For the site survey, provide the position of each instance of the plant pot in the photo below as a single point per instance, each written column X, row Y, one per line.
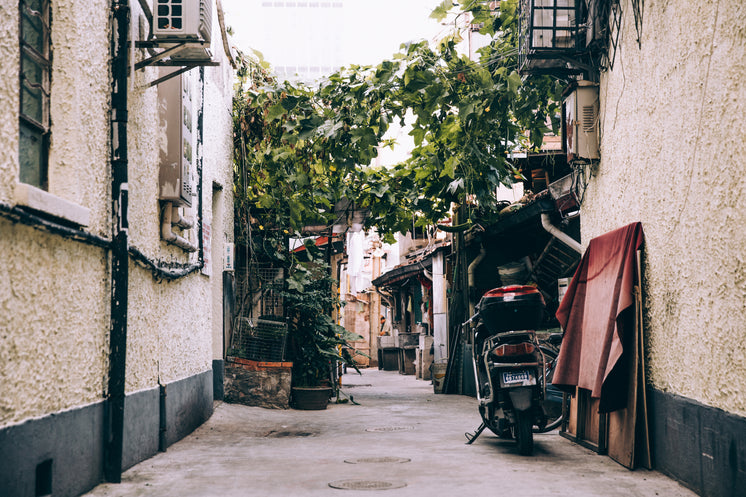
column 311, row 398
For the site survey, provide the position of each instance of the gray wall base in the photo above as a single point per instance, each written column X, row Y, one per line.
column 188, row 405
column 73, row 440
column 702, row 447
column 218, row 379
column 141, row 417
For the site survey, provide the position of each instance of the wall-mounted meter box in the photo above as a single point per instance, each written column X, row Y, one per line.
column 177, row 147
column 229, row 263
column 580, row 124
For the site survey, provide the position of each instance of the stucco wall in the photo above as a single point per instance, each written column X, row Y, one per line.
column 54, row 304
column 55, row 294
column 672, row 148
column 172, row 324
column 8, row 98
column 219, row 160
column 54, row 350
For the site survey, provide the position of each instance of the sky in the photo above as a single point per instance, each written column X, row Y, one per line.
column 316, row 37
column 320, row 35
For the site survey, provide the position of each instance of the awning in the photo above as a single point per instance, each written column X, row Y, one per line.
column 403, row 272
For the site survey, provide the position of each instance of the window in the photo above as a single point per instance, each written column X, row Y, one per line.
column 34, row 92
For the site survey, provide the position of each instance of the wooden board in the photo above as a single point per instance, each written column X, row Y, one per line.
column 622, row 423
column 586, row 426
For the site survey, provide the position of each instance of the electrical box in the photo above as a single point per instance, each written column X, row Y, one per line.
column 177, row 150
column 229, row 259
column 580, row 124
column 182, row 19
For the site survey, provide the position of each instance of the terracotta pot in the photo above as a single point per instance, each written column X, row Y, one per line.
column 311, row 398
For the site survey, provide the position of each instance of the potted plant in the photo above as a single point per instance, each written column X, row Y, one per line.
column 316, row 344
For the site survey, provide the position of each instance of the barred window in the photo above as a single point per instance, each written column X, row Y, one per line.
column 34, row 91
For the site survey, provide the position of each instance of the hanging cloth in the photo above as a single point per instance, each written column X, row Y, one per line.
column 597, row 314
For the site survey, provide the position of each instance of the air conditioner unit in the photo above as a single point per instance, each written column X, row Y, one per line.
column 183, row 20
column 580, row 123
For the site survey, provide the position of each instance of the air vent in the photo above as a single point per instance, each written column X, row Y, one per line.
column 588, row 118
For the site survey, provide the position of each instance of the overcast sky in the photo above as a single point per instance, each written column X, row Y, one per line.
column 329, row 32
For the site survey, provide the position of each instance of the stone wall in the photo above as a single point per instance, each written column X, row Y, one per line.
column 262, row 384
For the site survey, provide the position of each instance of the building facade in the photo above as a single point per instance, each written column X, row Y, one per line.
column 111, row 304
column 671, row 140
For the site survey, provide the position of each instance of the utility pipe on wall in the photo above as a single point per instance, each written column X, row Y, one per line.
column 114, row 422
column 178, row 220
column 168, row 235
column 559, row 234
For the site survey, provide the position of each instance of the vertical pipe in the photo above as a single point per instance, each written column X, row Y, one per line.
column 162, row 420
column 119, row 259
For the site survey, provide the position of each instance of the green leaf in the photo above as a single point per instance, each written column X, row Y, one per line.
column 418, row 134
column 295, row 285
column 275, row 111
column 289, row 102
column 514, row 82
column 449, row 168
column 440, row 12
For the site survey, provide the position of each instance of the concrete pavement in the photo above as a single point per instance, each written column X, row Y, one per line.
column 401, row 435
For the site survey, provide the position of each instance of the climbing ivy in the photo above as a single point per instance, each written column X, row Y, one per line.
column 300, row 150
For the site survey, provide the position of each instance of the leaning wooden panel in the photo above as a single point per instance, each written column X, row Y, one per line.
column 622, row 423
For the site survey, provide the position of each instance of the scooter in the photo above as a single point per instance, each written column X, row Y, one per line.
column 509, row 364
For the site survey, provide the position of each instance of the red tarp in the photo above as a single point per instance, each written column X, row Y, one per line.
column 592, row 313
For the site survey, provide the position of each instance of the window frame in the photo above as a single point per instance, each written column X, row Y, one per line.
column 43, row 62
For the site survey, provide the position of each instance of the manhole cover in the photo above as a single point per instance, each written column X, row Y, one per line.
column 363, row 460
column 390, row 428
column 358, row 385
column 366, row 484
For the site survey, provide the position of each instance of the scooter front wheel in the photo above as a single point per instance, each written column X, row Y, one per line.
column 524, row 434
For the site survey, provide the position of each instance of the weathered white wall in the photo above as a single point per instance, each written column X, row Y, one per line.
column 219, row 180
column 673, row 152
column 55, row 293
column 172, row 324
column 54, row 350
column 54, row 296
column 9, row 101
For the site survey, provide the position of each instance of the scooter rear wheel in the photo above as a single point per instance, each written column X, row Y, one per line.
column 524, row 434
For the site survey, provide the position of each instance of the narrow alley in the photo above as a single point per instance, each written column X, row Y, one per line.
column 401, row 438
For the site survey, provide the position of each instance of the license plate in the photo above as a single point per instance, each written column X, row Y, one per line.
column 517, row 377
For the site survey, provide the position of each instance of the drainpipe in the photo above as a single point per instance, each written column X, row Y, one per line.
column 178, row 220
column 472, row 268
column 167, row 234
column 114, row 422
column 559, row 234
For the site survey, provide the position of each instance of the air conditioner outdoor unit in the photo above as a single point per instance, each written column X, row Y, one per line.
column 580, row 123
column 182, row 20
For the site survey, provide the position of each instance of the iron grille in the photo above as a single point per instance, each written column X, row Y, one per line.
column 549, row 35
column 261, row 339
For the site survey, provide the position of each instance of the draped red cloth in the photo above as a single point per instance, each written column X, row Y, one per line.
column 597, row 314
